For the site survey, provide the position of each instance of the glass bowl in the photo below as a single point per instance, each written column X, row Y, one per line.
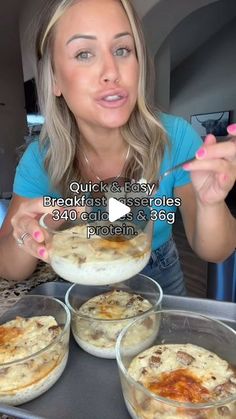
column 33, row 351
column 98, row 252
column 99, row 313
column 179, row 374
column 98, row 259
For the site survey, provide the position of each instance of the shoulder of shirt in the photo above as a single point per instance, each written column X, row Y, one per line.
column 179, row 130
column 36, row 148
column 172, row 123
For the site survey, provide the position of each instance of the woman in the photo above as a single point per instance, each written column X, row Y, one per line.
column 92, row 76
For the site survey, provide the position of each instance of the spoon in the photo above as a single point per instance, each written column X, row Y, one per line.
column 167, row 172
column 172, row 169
column 177, row 166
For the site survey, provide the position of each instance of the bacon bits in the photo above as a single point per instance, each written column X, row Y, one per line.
column 184, row 358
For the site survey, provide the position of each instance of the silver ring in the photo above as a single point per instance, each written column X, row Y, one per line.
column 20, row 240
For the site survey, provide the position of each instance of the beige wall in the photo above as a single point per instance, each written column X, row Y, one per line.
column 162, row 70
column 164, row 16
column 206, row 82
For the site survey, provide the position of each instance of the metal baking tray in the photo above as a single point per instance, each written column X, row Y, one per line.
column 89, row 388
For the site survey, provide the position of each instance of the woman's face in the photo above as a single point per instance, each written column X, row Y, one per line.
column 96, row 68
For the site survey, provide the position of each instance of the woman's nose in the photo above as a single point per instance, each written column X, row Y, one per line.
column 110, row 73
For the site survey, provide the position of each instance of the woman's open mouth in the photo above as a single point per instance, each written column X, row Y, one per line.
column 114, row 100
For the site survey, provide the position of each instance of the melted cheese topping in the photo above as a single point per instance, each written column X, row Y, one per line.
column 167, row 367
column 20, row 338
column 184, row 373
column 117, row 306
column 73, row 245
column 180, row 385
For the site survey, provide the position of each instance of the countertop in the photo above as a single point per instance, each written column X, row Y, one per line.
column 11, row 291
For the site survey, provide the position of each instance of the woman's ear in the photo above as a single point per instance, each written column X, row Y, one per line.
column 56, row 89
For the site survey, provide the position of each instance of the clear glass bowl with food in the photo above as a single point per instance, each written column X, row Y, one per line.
column 92, row 246
column 99, row 313
column 187, row 371
column 34, row 344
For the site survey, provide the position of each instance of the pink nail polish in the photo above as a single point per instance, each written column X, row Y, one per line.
column 37, row 235
column 42, row 252
column 201, row 153
column 186, row 166
column 232, row 129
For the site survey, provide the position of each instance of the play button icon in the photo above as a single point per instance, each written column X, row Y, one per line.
column 116, row 209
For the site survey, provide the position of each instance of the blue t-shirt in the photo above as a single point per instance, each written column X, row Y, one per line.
column 32, row 181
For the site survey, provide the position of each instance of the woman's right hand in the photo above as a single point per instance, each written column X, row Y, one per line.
column 29, row 235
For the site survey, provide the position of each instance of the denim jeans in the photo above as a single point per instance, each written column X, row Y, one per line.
column 164, row 267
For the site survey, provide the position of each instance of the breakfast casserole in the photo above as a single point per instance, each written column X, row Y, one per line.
column 182, row 373
column 24, row 365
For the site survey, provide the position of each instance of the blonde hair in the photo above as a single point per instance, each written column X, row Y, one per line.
column 60, row 134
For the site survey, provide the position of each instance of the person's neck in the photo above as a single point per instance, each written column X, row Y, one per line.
column 103, row 143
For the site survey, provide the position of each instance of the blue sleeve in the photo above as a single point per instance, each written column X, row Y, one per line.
column 31, row 179
column 190, row 143
column 185, row 143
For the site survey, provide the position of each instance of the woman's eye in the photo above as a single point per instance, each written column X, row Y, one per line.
column 122, row 52
column 83, row 55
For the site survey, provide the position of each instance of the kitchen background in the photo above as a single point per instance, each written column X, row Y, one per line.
column 193, row 42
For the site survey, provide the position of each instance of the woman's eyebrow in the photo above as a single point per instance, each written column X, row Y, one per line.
column 81, row 36
column 119, row 35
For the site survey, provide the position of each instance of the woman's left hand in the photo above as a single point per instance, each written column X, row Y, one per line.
column 214, row 170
